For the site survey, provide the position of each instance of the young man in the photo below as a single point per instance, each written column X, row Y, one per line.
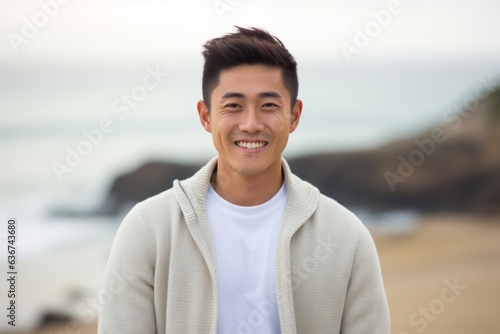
column 244, row 246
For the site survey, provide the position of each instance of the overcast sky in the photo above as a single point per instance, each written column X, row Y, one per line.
column 127, row 31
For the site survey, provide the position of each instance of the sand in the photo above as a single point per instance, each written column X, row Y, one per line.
column 461, row 252
column 447, row 250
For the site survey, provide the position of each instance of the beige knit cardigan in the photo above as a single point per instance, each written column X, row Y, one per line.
column 160, row 276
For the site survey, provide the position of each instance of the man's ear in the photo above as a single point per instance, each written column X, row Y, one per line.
column 204, row 115
column 296, row 112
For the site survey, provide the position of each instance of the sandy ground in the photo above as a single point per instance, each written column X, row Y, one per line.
column 444, row 278
column 457, row 251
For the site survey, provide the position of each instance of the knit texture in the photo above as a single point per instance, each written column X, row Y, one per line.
column 160, row 276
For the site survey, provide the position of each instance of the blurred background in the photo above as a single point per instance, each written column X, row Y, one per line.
column 401, row 123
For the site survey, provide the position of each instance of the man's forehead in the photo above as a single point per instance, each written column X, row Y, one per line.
column 251, row 72
column 251, row 80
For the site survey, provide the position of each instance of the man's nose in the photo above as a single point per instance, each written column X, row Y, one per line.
column 251, row 121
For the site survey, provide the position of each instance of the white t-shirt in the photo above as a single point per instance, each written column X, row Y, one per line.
column 244, row 239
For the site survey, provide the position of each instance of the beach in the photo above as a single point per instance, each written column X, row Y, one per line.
column 442, row 278
column 458, row 254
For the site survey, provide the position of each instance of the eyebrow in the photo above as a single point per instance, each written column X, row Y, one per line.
column 232, row 95
column 261, row 95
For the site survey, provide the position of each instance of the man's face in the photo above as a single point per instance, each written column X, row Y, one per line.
column 250, row 119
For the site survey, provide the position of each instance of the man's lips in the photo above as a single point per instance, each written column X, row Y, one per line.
column 251, row 144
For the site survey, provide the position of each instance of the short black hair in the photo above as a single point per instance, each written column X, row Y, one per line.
column 247, row 46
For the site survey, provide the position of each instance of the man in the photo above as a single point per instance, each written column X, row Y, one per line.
column 244, row 246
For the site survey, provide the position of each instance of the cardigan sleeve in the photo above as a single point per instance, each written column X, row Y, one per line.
column 366, row 309
column 126, row 299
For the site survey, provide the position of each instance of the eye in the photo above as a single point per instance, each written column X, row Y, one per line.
column 269, row 105
column 232, row 105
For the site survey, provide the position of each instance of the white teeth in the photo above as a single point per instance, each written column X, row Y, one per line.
column 252, row 145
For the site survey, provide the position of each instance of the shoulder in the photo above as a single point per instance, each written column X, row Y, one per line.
column 330, row 217
column 330, row 211
column 329, row 207
column 157, row 208
column 158, row 201
column 325, row 210
column 150, row 216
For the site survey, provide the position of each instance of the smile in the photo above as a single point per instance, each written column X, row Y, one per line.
column 251, row 145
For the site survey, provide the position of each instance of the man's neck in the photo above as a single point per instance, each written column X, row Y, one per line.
column 247, row 190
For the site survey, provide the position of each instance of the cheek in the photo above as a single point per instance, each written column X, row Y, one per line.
column 280, row 123
column 221, row 129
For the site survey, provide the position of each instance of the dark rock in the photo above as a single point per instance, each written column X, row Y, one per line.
column 148, row 180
